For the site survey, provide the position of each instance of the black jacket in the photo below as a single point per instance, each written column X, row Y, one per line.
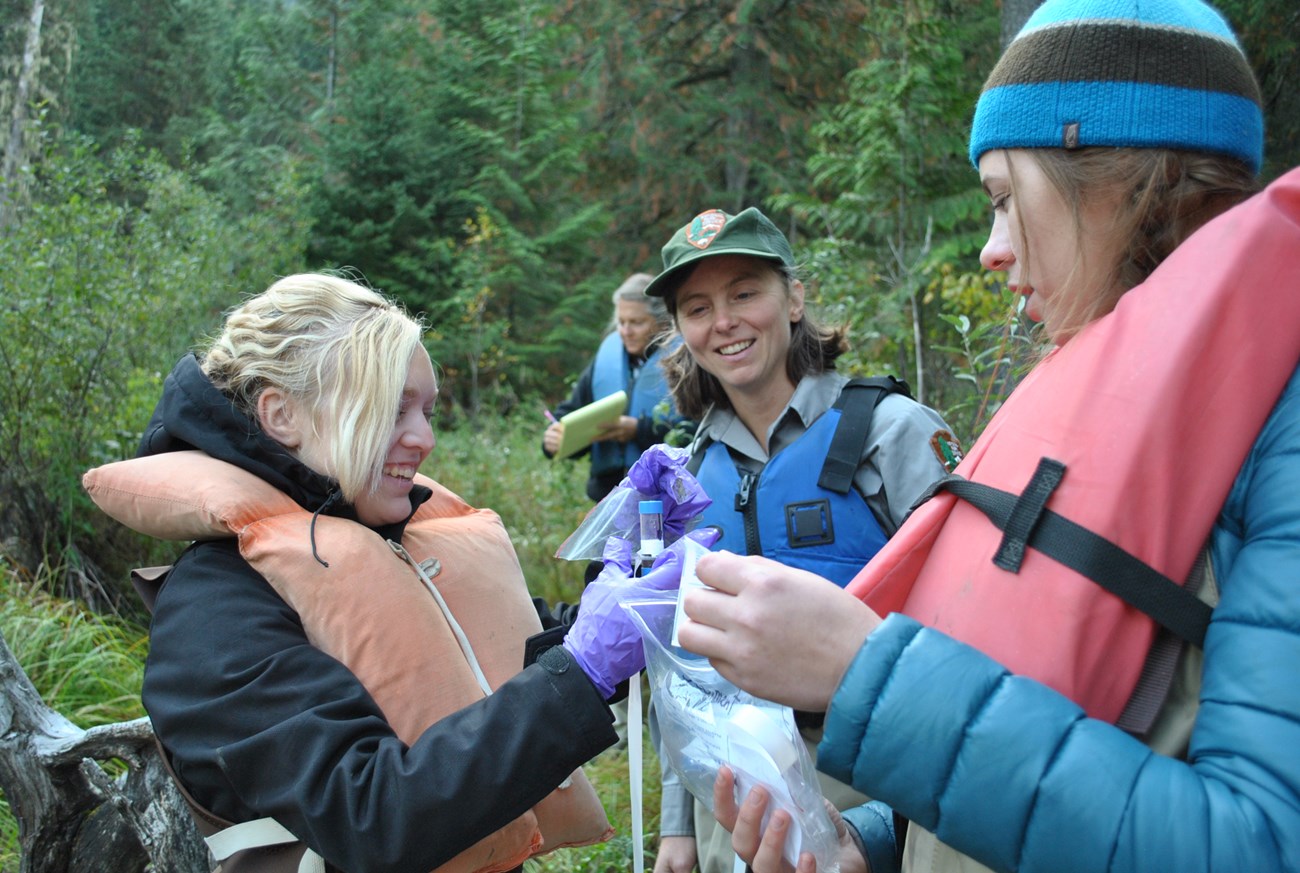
column 258, row 722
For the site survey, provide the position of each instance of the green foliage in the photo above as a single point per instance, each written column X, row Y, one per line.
column 86, row 666
column 531, row 227
column 991, row 352
column 145, row 65
column 895, row 203
column 1269, row 31
column 704, row 104
column 445, row 172
column 112, row 270
column 10, row 856
column 390, row 164
column 470, row 342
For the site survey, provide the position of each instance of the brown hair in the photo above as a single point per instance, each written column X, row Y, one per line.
column 813, row 349
column 1162, row 196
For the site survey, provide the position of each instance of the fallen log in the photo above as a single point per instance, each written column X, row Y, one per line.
column 88, row 801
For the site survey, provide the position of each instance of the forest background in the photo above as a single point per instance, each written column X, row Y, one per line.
column 499, row 166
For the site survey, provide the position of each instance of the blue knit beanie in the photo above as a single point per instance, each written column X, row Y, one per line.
column 1134, row 73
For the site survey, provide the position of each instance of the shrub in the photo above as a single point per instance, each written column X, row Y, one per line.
column 113, row 269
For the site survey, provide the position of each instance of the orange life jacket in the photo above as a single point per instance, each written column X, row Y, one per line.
column 390, row 631
column 1151, row 409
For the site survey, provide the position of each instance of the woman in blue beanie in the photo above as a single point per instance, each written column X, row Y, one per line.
column 1109, row 133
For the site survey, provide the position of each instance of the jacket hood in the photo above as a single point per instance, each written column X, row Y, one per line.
column 194, row 414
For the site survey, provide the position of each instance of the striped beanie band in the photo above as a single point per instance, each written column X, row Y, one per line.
column 1128, row 73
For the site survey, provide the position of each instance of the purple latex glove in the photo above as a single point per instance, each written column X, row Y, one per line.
column 604, row 640
column 660, row 474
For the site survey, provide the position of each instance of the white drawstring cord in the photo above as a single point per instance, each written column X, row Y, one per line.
column 427, row 578
column 634, row 770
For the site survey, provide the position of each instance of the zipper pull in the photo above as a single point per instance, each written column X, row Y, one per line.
column 428, row 568
column 743, row 491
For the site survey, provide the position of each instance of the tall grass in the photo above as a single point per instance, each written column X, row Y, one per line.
column 85, row 666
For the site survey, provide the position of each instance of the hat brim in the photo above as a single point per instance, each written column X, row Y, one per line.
column 666, row 282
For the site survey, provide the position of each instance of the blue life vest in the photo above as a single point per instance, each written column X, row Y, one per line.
column 610, row 374
column 824, row 526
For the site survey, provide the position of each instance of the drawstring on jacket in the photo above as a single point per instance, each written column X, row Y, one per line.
column 329, row 501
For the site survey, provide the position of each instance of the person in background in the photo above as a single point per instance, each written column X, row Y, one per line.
column 346, row 654
column 802, row 463
column 628, row 359
column 1108, row 133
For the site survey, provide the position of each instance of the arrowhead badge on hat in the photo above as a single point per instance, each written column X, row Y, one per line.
column 704, row 228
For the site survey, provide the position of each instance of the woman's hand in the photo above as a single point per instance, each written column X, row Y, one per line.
column 676, row 855
column 779, row 633
column 551, row 438
column 604, row 639
column 621, row 431
column 762, row 850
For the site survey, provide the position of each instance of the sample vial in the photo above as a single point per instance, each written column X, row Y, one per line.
column 652, row 528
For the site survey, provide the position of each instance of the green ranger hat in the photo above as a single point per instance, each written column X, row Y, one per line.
column 716, row 233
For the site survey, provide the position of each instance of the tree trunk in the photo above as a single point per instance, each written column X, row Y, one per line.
column 749, row 74
column 333, row 62
column 73, row 817
column 1014, row 15
column 18, row 119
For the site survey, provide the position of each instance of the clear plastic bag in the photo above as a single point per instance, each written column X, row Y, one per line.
column 659, row 474
column 705, row 722
column 614, row 516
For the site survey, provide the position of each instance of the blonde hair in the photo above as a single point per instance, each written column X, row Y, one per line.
column 341, row 351
column 1162, row 196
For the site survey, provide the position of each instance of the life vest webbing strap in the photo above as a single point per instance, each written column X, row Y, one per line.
column 1097, row 558
column 1026, row 513
column 260, row 833
column 856, row 408
column 1157, row 675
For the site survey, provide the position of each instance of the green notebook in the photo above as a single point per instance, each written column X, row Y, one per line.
column 582, row 425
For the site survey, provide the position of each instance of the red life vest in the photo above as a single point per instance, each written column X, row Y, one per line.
column 374, row 607
column 1152, row 410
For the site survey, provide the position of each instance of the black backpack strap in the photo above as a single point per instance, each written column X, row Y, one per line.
column 1025, row 521
column 856, row 408
column 696, row 460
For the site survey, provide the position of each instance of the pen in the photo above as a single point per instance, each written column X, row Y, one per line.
column 550, row 416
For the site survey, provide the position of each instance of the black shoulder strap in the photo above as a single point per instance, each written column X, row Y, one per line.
column 1025, row 521
column 696, row 460
column 148, row 581
column 856, row 408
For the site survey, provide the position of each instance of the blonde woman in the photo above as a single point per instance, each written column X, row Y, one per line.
column 346, row 661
